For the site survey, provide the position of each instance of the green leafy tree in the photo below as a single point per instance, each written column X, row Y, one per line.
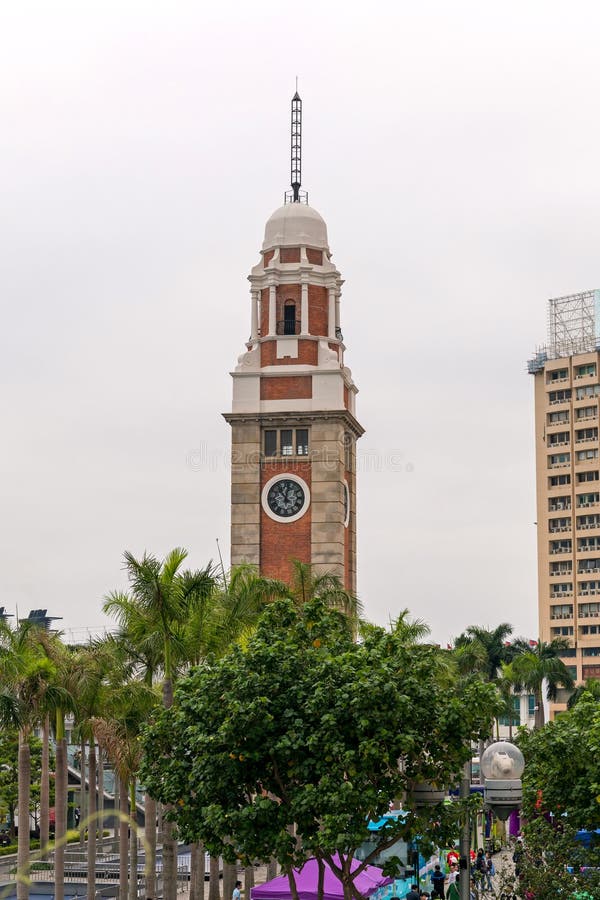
column 562, row 771
column 308, row 728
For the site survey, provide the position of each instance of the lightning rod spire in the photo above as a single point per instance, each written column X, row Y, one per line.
column 296, row 179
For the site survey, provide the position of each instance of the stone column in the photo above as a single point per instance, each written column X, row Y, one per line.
column 332, row 313
column 272, row 309
column 304, row 309
column 254, row 317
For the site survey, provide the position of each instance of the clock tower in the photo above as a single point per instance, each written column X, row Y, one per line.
column 293, row 419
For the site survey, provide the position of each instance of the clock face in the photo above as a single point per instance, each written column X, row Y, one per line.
column 286, row 498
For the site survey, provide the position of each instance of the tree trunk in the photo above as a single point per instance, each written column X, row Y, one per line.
column 159, row 823
column 169, row 853
column 100, row 799
column 133, row 885
column 197, row 872
column 116, row 808
column 213, row 884
column 229, row 879
column 123, row 838
column 538, row 722
column 60, row 810
column 248, row 881
column 45, row 790
column 92, row 823
column 150, row 835
column 24, row 792
column 82, row 795
column 272, row 869
column 292, row 883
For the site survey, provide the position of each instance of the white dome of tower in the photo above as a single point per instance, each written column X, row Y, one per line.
column 296, row 225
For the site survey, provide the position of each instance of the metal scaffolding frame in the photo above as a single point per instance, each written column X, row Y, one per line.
column 573, row 324
column 573, row 327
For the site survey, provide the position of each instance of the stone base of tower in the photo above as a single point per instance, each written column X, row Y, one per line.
column 325, row 534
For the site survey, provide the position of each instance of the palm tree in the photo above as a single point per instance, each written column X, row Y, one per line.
column 484, row 649
column 536, row 665
column 306, row 584
column 591, row 686
column 118, row 730
column 162, row 597
column 28, row 674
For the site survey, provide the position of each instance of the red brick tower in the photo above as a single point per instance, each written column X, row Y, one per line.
column 294, row 431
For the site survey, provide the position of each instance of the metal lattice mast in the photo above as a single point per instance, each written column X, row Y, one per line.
column 296, row 178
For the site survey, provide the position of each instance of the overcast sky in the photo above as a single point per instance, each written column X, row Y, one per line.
column 452, row 149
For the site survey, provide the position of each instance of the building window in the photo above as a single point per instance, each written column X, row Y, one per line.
column 558, row 375
column 558, row 589
column 587, row 476
column 592, row 565
column 590, row 672
column 586, row 454
column 590, row 390
column 556, row 418
column 561, row 611
column 588, row 499
column 588, row 609
column 563, row 523
column 516, row 713
column 562, row 631
column 560, row 396
column 587, row 545
column 587, row 369
column 573, row 670
column 592, row 521
column 531, row 705
column 585, row 412
column 561, row 437
column 286, row 442
column 586, row 434
column 561, row 546
column 270, row 443
column 590, row 651
column 589, row 629
column 558, row 480
column 302, row 441
column 560, row 459
column 289, row 317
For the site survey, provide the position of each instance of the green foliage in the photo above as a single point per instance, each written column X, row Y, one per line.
column 562, row 771
column 545, row 859
column 307, row 726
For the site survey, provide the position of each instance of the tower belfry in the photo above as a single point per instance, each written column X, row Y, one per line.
column 293, row 418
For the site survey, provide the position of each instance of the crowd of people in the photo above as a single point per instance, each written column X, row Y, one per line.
column 446, row 886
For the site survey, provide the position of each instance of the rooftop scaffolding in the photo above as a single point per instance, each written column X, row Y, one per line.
column 573, row 327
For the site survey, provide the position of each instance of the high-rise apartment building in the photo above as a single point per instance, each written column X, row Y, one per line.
column 567, row 388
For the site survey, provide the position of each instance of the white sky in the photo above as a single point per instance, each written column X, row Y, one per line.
column 452, row 149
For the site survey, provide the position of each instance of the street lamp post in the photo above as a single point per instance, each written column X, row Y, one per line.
column 502, row 765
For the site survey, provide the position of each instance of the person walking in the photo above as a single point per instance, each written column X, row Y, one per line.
column 237, row 894
column 438, row 880
column 453, row 890
column 491, row 871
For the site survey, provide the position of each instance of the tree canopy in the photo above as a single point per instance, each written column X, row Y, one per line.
column 307, row 727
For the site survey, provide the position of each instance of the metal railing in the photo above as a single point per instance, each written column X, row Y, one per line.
column 288, row 326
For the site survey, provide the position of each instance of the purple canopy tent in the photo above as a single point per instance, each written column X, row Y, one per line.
column 307, row 878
